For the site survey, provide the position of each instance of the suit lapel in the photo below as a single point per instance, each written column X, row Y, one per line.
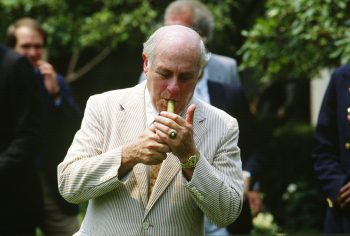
column 170, row 167
column 134, row 109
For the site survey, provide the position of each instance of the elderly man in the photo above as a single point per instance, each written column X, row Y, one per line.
column 126, row 135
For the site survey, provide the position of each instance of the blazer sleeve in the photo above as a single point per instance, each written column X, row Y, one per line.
column 326, row 156
column 25, row 116
column 86, row 172
column 217, row 187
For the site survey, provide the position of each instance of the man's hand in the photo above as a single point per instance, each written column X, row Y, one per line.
column 183, row 146
column 147, row 149
column 344, row 196
column 254, row 201
column 50, row 77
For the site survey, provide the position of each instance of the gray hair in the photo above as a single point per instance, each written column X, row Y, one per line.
column 149, row 47
column 202, row 18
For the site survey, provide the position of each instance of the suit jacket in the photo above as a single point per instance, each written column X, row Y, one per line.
column 21, row 114
column 175, row 207
column 331, row 154
column 223, row 69
column 233, row 101
column 62, row 121
column 220, row 69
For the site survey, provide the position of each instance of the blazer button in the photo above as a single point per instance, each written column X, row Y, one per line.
column 145, row 225
column 347, row 146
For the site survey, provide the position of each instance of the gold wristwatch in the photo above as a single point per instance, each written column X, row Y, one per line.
column 191, row 162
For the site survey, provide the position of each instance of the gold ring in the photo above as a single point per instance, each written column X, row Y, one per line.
column 172, row 134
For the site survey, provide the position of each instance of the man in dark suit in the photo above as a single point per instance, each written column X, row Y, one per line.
column 62, row 116
column 331, row 154
column 20, row 125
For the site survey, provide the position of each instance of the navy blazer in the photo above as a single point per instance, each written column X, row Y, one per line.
column 63, row 119
column 20, row 128
column 331, row 154
column 232, row 100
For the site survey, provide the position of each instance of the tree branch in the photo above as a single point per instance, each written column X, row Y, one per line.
column 73, row 76
column 73, row 62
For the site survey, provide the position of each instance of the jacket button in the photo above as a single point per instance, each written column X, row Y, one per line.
column 347, row 146
column 145, row 225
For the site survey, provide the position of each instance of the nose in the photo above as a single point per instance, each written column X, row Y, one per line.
column 173, row 85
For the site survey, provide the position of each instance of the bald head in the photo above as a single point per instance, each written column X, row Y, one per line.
column 180, row 39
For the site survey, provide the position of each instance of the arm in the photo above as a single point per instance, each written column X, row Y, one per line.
column 89, row 172
column 86, row 172
column 215, row 187
column 220, row 183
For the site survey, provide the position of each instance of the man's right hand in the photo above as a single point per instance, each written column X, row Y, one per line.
column 147, row 149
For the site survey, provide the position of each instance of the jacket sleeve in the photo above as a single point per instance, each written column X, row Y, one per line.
column 86, row 172
column 217, row 187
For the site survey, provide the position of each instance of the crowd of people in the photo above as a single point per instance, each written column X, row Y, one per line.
column 177, row 154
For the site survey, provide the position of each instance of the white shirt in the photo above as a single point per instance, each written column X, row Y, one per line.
column 201, row 91
column 151, row 111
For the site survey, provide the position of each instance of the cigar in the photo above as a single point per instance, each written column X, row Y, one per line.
column 171, row 106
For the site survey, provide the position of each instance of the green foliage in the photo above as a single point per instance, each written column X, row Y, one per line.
column 295, row 39
column 96, row 26
column 291, row 192
column 302, row 208
column 76, row 26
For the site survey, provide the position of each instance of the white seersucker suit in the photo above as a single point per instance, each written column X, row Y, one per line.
column 176, row 206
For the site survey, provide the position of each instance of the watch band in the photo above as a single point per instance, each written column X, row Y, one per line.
column 191, row 162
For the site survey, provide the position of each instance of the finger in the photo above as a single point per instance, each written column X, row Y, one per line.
column 152, row 128
column 170, row 120
column 190, row 114
column 161, row 127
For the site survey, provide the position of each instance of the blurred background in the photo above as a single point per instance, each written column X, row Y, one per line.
column 285, row 49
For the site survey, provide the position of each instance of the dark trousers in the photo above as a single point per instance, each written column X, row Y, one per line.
column 244, row 223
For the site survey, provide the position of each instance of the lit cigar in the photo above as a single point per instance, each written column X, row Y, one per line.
column 171, row 106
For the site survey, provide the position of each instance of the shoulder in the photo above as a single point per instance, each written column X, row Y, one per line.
column 342, row 71
column 118, row 96
column 215, row 116
column 10, row 59
column 220, row 59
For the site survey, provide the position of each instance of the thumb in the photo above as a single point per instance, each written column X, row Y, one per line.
column 190, row 114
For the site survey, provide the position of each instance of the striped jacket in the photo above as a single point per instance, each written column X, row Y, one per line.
column 176, row 206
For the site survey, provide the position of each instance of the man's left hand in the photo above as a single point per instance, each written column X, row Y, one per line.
column 183, row 145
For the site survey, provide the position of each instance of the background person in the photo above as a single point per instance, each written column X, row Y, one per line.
column 331, row 152
column 124, row 135
column 62, row 119
column 20, row 125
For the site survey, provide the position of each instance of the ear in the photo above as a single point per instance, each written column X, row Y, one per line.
column 145, row 63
